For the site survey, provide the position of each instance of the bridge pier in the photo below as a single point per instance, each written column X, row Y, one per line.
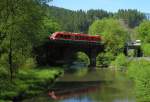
column 92, row 62
column 92, row 56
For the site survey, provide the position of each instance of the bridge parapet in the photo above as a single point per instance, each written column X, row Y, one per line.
column 75, row 42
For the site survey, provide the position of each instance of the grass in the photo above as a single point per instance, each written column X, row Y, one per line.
column 28, row 82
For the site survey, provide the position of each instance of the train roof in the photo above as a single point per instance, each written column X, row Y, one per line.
column 74, row 33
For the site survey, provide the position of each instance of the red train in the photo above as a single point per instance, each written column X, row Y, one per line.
column 74, row 36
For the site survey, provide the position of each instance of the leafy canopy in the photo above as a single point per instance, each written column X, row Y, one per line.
column 112, row 32
column 143, row 31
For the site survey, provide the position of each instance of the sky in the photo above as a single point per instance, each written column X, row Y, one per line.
column 109, row 5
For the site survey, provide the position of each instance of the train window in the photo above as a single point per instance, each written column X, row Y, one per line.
column 58, row 36
column 90, row 39
column 82, row 37
column 61, row 36
column 77, row 37
column 65, row 36
column 87, row 38
column 68, row 36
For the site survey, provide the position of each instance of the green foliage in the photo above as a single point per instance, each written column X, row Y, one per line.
column 21, row 28
column 45, row 74
column 146, row 49
column 114, row 36
column 79, row 21
column 29, row 63
column 143, row 31
column 131, row 53
column 104, row 59
column 112, row 32
column 27, row 81
column 120, row 62
column 50, row 26
column 140, row 72
column 82, row 57
column 75, row 21
column 4, row 60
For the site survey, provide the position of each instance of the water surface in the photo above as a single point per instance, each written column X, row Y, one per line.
column 84, row 85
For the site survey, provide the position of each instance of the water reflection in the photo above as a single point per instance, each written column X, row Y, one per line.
column 73, row 88
column 84, row 85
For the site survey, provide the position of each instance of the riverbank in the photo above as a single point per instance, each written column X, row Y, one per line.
column 27, row 83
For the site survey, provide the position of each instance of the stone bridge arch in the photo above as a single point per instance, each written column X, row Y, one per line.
column 54, row 52
column 91, row 52
column 82, row 56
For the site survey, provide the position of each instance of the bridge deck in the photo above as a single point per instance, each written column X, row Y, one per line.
column 76, row 42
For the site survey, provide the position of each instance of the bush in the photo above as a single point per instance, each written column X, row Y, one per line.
column 143, row 31
column 139, row 71
column 82, row 57
column 146, row 49
column 120, row 62
column 104, row 59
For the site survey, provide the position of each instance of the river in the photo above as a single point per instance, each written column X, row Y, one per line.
column 84, row 85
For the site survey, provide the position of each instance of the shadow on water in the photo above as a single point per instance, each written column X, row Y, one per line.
column 85, row 85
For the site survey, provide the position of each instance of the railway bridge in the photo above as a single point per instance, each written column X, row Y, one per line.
column 61, row 48
column 62, row 51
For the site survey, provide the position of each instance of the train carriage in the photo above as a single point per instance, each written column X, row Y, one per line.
column 74, row 37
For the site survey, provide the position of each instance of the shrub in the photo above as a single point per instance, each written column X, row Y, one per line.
column 120, row 61
column 82, row 57
column 104, row 59
column 140, row 72
column 146, row 49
